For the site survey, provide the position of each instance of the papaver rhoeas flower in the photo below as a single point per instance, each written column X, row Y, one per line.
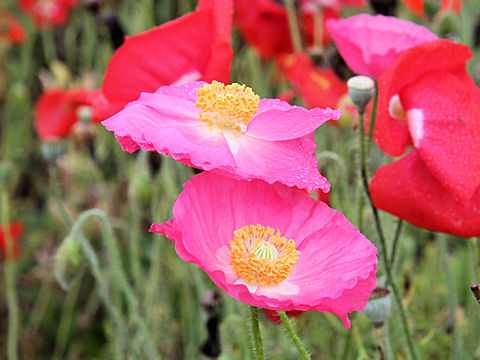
column 226, row 129
column 15, row 230
column 369, row 44
column 273, row 316
column 272, row 246
column 56, row 111
column 11, row 29
column 48, row 12
column 417, row 6
column 317, row 87
column 264, row 25
column 427, row 99
column 193, row 47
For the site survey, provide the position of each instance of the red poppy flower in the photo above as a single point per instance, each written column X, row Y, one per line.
column 11, row 29
column 416, row 6
column 48, row 12
column 15, row 230
column 273, row 316
column 264, row 25
column 428, row 101
column 195, row 46
column 56, row 111
column 317, row 87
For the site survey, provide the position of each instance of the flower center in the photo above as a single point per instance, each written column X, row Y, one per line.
column 227, row 106
column 261, row 256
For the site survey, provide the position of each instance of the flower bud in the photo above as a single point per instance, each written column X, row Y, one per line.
column 141, row 190
column 378, row 307
column 361, row 89
column 52, row 149
column 68, row 261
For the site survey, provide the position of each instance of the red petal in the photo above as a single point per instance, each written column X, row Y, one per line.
column 196, row 44
column 439, row 56
column 408, row 190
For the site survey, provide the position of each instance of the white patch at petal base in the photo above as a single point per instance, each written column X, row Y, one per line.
column 251, row 287
column 395, row 108
column 282, row 289
column 233, row 139
column 415, row 120
column 188, row 77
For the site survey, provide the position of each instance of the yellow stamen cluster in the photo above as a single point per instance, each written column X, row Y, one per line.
column 261, row 256
column 227, row 106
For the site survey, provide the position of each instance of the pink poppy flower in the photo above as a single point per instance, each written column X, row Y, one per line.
column 273, row 247
column 193, row 47
column 369, row 44
column 427, row 100
column 226, row 129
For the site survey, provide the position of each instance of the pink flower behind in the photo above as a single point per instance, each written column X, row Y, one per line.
column 369, row 44
column 231, row 229
column 226, row 129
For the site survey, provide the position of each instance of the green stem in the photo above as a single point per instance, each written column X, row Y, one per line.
column 12, row 301
column 257, row 337
column 398, row 231
column 58, row 197
column 452, row 299
column 118, row 272
column 373, row 117
column 293, row 26
column 293, row 335
column 383, row 247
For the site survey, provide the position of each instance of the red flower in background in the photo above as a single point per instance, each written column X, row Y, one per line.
column 317, row 87
column 48, row 12
column 56, row 111
column 264, row 25
column 273, row 316
column 11, row 29
column 15, row 230
column 417, row 6
column 428, row 101
column 195, row 46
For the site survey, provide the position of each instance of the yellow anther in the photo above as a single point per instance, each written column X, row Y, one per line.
column 261, row 256
column 227, row 106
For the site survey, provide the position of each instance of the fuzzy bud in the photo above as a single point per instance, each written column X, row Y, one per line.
column 68, row 261
column 52, row 149
column 379, row 306
column 361, row 89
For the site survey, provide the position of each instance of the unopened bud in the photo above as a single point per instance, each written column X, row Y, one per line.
column 361, row 89
column 6, row 172
column 84, row 113
column 68, row 261
column 52, row 149
column 379, row 306
column 141, row 190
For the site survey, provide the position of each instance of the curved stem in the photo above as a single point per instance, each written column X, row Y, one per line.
column 257, row 337
column 293, row 26
column 12, row 300
column 293, row 335
column 383, row 247
column 118, row 272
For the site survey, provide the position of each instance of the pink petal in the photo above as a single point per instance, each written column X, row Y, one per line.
column 369, row 44
column 289, row 124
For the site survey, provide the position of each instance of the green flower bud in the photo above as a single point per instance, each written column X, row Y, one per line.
column 379, row 306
